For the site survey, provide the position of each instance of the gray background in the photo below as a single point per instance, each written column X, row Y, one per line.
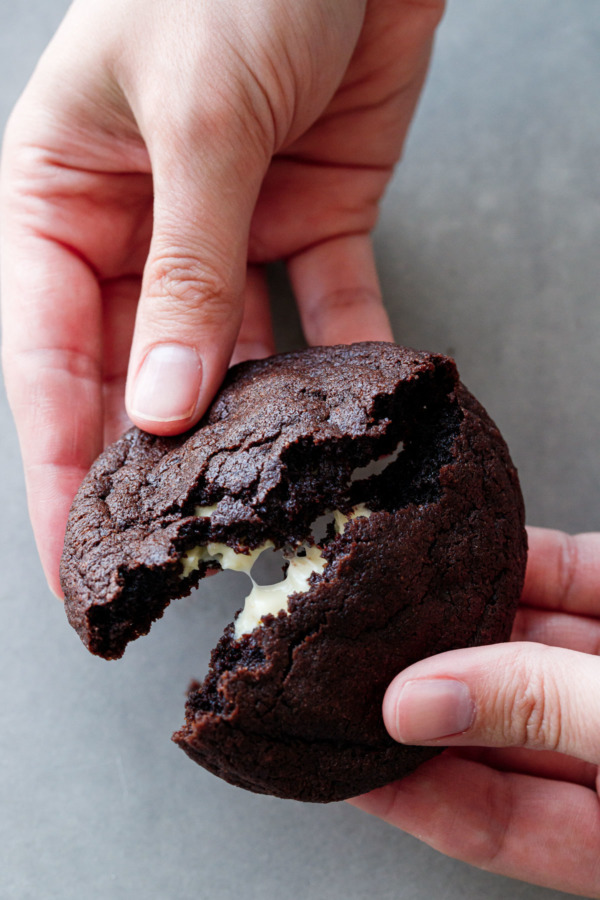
column 488, row 248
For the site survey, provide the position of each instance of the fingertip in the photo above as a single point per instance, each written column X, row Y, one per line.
column 51, row 488
column 255, row 339
column 247, row 350
column 57, row 592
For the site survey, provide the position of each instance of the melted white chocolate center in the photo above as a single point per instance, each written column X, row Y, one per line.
column 270, row 599
column 341, row 520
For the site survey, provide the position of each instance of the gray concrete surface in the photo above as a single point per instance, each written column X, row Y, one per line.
column 488, row 248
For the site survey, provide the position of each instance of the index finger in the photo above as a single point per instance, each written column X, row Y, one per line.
column 563, row 571
column 52, row 365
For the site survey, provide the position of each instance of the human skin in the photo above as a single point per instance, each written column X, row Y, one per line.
column 518, row 792
column 162, row 153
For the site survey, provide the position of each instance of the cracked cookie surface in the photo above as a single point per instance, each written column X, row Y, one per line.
column 293, row 708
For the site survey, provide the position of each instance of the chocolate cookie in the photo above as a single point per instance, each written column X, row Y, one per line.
column 424, row 551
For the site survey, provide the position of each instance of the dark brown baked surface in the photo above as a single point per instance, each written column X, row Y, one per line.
column 294, row 708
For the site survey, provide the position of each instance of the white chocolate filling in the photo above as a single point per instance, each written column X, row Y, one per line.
column 341, row 520
column 222, row 554
column 270, row 599
column 202, row 511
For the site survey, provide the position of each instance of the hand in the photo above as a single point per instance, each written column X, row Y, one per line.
column 531, row 810
column 163, row 151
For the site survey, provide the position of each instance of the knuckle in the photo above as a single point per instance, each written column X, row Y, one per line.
column 180, row 285
column 532, row 714
column 349, row 299
column 37, row 365
column 347, row 302
column 216, row 124
column 233, row 124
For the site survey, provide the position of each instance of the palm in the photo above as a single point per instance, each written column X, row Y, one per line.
column 80, row 218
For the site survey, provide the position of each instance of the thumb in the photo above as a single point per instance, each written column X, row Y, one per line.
column 190, row 307
column 505, row 695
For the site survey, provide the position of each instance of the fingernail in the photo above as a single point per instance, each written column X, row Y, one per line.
column 167, row 386
column 430, row 709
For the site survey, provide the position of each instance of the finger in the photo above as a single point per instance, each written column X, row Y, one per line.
column 338, row 293
column 515, row 825
column 563, row 571
column 540, row 763
column 53, row 373
column 506, row 695
column 191, row 308
column 119, row 301
column 255, row 340
column 557, row 629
